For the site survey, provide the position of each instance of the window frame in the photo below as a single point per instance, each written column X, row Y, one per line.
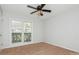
column 23, row 31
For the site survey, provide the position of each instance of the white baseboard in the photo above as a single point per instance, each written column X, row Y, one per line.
column 62, row 46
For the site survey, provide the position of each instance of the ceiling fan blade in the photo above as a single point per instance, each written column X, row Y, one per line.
column 31, row 7
column 42, row 5
column 33, row 12
column 46, row 10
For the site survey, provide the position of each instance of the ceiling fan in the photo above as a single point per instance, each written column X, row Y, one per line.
column 39, row 9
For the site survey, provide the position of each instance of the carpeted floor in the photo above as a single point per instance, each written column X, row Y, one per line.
column 37, row 49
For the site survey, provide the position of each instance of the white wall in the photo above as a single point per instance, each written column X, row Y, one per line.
column 37, row 31
column 63, row 29
column 0, row 26
column 0, row 32
column 21, row 14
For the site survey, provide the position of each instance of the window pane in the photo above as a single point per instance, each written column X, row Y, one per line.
column 16, row 37
column 27, row 27
column 17, row 26
column 27, row 37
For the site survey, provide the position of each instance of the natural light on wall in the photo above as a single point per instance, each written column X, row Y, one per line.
column 21, row 31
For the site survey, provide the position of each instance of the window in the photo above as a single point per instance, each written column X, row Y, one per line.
column 27, row 37
column 27, row 31
column 16, row 37
column 21, row 31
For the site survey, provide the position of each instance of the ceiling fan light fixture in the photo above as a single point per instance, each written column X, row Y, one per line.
column 39, row 9
column 40, row 13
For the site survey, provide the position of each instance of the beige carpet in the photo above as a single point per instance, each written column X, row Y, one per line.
column 38, row 49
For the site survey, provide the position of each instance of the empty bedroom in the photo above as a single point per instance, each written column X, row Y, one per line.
column 39, row 29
